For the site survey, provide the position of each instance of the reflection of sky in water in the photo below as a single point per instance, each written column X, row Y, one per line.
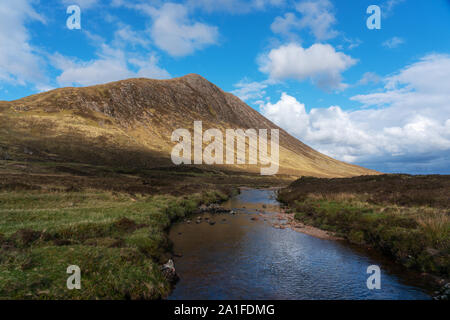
column 256, row 196
column 243, row 259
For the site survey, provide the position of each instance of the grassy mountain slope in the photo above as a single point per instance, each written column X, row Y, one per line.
column 129, row 124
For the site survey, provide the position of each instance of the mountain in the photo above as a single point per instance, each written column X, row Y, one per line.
column 129, row 123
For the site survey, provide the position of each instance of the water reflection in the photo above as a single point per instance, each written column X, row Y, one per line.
column 238, row 258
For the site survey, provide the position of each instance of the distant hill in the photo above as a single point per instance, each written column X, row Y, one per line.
column 129, row 124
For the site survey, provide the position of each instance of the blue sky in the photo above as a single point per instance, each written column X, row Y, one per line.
column 378, row 98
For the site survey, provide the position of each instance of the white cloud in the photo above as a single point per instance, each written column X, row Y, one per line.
column 19, row 61
column 351, row 43
column 234, row 6
column 369, row 77
column 412, row 131
column 286, row 25
column 111, row 65
column 148, row 68
column 84, row 4
column 247, row 90
column 319, row 63
column 387, row 8
column 393, row 42
column 126, row 35
column 173, row 31
column 317, row 16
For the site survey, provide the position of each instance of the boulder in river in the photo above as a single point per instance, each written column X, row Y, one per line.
column 169, row 271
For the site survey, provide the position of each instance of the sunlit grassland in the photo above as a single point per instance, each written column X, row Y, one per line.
column 119, row 241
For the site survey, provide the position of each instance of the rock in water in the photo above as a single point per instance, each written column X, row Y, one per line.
column 169, row 271
column 444, row 293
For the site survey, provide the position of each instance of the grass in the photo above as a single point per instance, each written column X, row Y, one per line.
column 414, row 231
column 118, row 240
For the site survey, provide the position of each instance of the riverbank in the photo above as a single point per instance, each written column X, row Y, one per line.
column 404, row 217
column 119, row 242
column 251, row 253
column 111, row 222
column 290, row 221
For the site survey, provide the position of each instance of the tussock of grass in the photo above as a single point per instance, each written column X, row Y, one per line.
column 117, row 240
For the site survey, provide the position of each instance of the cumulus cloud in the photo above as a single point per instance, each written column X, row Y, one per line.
column 320, row 63
column 411, row 132
column 20, row 62
column 393, row 42
column 317, row 16
column 286, row 25
column 173, row 31
column 112, row 64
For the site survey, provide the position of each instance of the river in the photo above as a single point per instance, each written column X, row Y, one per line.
column 243, row 258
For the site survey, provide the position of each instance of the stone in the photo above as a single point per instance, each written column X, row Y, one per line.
column 168, row 270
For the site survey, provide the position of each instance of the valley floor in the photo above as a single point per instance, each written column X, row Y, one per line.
column 113, row 222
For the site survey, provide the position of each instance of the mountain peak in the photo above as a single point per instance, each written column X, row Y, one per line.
column 132, row 121
column 193, row 76
column 196, row 80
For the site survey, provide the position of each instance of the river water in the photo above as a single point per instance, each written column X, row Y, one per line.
column 242, row 258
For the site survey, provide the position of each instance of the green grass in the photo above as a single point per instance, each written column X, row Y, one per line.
column 118, row 241
column 417, row 237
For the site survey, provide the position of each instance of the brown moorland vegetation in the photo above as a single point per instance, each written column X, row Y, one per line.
column 406, row 217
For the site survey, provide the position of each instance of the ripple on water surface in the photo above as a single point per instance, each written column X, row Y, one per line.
column 238, row 258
